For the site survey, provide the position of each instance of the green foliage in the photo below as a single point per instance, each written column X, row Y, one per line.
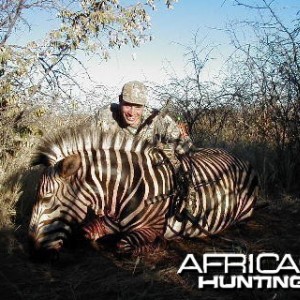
column 38, row 70
column 99, row 25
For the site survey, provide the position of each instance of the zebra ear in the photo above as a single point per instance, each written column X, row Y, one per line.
column 69, row 165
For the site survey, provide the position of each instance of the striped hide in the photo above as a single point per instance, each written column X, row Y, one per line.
column 133, row 191
column 123, row 180
column 223, row 191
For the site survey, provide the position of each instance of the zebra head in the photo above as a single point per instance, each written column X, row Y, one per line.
column 53, row 213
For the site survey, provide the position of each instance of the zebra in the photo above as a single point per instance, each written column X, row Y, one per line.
column 133, row 191
column 221, row 191
column 118, row 177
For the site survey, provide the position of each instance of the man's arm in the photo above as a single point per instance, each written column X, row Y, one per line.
column 105, row 117
column 171, row 132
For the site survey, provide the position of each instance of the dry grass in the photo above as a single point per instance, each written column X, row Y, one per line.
column 84, row 273
column 20, row 131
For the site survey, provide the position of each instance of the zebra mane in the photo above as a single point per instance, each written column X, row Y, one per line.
column 66, row 142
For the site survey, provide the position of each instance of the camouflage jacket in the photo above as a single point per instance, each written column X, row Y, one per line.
column 155, row 127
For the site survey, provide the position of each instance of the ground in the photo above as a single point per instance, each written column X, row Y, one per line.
column 86, row 273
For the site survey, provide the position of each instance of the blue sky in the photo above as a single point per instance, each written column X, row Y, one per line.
column 174, row 29
column 171, row 30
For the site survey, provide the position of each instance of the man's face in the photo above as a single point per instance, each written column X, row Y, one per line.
column 132, row 113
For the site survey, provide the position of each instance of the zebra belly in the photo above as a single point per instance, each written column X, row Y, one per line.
column 209, row 215
column 222, row 192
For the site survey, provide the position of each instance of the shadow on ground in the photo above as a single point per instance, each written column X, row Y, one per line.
column 84, row 273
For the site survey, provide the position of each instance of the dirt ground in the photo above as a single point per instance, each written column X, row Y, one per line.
column 85, row 273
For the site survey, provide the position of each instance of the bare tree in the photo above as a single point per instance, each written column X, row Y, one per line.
column 191, row 96
column 267, row 82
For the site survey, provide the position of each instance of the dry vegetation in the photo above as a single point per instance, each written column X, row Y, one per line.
column 84, row 271
column 255, row 113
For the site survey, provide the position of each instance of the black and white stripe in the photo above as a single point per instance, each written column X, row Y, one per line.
column 117, row 176
column 132, row 190
column 225, row 191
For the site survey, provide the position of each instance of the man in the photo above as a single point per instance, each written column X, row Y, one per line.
column 132, row 116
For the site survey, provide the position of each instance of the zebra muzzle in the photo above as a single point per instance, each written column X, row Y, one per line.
column 44, row 252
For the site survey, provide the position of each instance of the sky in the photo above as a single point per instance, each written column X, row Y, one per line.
column 172, row 31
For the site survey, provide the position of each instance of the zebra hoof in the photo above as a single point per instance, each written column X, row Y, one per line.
column 124, row 248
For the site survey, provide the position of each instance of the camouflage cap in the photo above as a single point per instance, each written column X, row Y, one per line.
column 134, row 92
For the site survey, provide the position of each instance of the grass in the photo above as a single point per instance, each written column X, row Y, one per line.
column 84, row 273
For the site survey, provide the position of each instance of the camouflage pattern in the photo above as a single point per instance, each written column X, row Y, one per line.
column 155, row 127
column 134, row 92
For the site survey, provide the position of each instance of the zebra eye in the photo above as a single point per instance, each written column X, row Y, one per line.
column 47, row 197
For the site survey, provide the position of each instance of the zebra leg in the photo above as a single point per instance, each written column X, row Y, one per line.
column 138, row 241
column 99, row 227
